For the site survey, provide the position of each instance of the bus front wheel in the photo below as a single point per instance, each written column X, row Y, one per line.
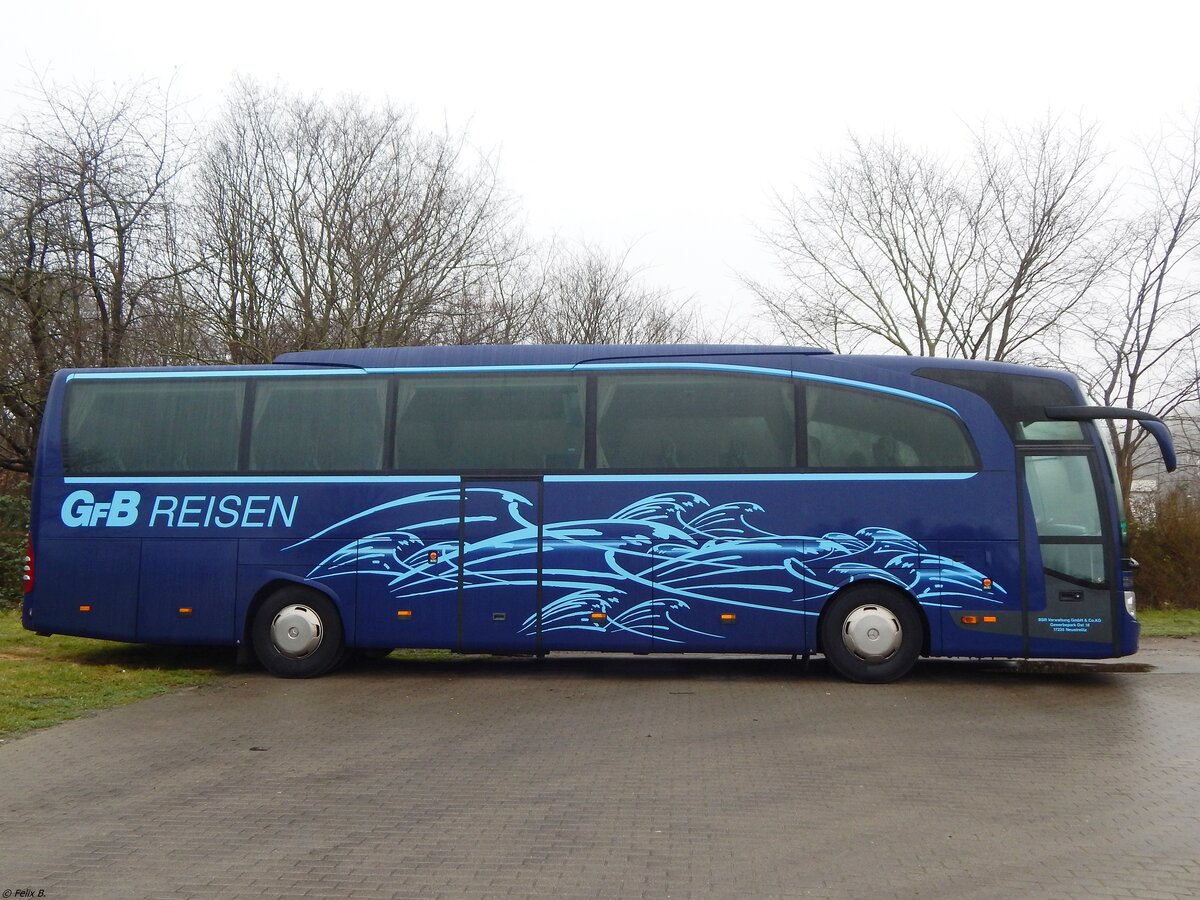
column 871, row 634
column 297, row 633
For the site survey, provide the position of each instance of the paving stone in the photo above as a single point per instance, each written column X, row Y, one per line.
column 582, row 776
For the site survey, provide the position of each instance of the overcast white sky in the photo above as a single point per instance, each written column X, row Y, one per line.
column 664, row 124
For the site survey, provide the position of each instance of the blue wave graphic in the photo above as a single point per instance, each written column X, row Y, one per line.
column 675, row 547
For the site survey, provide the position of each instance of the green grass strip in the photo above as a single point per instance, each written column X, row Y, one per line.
column 1169, row 622
column 47, row 680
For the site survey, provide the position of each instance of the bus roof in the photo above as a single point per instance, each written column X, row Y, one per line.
column 535, row 354
column 579, row 354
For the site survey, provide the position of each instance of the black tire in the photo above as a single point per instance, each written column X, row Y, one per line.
column 867, row 610
column 312, row 654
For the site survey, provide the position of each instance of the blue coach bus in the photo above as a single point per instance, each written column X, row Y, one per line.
column 533, row 499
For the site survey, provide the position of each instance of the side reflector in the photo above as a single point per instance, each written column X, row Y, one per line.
column 85, row 609
column 185, row 611
column 989, row 620
column 404, row 614
column 599, row 616
column 728, row 617
column 27, row 575
column 970, row 620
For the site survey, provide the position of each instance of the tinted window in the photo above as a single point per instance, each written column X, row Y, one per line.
column 490, row 422
column 318, row 424
column 160, row 425
column 694, row 421
column 857, row 429
column 1064, row 495
column 1019, row 400
column 1066, row 509
column 1049, row 431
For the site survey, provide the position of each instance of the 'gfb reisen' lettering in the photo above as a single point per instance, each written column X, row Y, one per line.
column 82, row 509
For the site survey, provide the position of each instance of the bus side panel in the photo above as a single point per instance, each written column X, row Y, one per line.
column 666, row 564
column 948, row 542
column 979, row 602
column 597, row 567
column 770, row 552
column 87, row 587
column 405, row 564
column 752, row 603
column 385, row 550
column 188, row 591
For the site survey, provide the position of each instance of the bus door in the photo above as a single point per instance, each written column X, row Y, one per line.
column 1075, row 545
column 499, row 564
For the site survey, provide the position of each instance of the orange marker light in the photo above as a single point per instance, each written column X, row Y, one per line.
column 404, row 614
column 599, row 616
column 970, row 620
column 85, row 609
column 185, row 610
column 989, row 620
column 728, row 617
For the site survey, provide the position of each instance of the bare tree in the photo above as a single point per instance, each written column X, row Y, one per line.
column 339, row 225
column 236, row 286
column 85, row 229
column 1141, row 349
column 896, row 249
column 592, row 297
column 501, row 307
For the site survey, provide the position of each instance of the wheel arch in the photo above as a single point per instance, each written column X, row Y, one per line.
column 277, row 583
column 864, row 585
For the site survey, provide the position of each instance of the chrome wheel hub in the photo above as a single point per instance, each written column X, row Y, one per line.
column 296, row 631
column 872, row 633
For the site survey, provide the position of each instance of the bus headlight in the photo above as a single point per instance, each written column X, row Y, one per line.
column 1131, row 604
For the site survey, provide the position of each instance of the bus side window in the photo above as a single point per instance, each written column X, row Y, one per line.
column 153, row 426
column 854, row 429
column 318, row 424
column 490, row 422
column 694, row 420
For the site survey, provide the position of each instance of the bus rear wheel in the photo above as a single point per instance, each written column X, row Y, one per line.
column 871, row 634
column 297, row 633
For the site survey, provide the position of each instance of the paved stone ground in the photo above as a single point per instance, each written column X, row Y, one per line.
column 590, row 776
